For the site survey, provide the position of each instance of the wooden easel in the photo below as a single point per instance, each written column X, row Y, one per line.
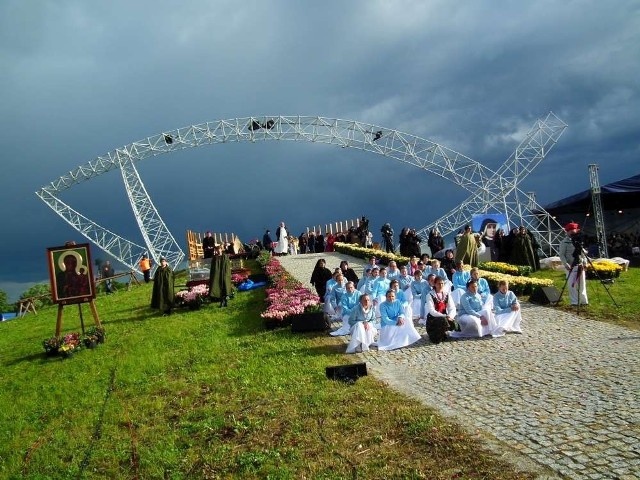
column 94, row 311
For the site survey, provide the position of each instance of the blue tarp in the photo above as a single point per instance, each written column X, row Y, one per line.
column 7, row 316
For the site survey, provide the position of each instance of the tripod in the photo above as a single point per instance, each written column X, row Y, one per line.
column 578, row 264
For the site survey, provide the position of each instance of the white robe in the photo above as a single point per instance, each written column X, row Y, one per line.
column 283, row 243
column 394, row 336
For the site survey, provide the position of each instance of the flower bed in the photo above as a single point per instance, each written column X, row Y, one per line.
column 506, row 268
column 238, row 277
column 286, row 296
column 365, row 253
column 71, row 343
column 518, row 284
column 603, row 269
column 192, row 298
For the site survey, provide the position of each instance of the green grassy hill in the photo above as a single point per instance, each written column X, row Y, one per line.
column 210, row 394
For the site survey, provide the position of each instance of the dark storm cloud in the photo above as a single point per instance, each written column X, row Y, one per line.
column 80, row 79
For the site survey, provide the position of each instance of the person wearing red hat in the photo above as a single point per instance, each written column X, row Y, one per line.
column 572, row 256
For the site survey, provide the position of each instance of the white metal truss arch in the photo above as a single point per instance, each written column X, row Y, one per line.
column 501, row 192
column 157, row 236
column 391, row 143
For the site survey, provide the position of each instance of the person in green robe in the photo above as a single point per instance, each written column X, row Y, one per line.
column 467, row 248
column 162, row 297
column 522, row 252
column 220, row 286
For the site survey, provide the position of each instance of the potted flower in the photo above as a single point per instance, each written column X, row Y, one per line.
column 90, row 341
column 98, row 332
column 51, row 346
column 286, row 298
column 70, row 344
column 192, row 298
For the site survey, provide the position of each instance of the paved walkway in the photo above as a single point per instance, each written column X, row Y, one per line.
column 565, row 394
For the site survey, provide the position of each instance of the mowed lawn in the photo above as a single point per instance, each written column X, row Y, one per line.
column 617, row 303
column 212, row 394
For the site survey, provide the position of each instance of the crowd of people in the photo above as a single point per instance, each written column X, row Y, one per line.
column 624, row 245
column 437, row 292
column 518, row 247
column 381, row 308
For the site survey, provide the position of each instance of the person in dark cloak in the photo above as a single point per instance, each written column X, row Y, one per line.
column 311, row 243
column 319, row 243
column 522, row 250
column 500, row 242
column 387, row 237
column 348, row 272
column 220, row 286
column 302, row 243
column 448, row 262
column 208, row 243
column 321, row 274
column 467, row 248
column 435, row 241
column 267, row 241
column 507, row 245
column 403, row 242
column 162, row 296
column 535, row 246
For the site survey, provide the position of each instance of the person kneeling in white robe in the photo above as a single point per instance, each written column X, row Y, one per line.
column 507, row 308
column 475, row 319
column 361, row 321
column 348, row 302
column 396, row 332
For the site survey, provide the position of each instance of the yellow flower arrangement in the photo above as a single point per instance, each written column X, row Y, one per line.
column 362, row 252
column 519, row 284
column 603, row 268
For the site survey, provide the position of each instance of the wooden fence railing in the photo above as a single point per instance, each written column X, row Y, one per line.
column 194, row 242
column 335, row 227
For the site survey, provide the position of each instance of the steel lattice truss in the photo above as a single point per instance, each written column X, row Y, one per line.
column 481, row 181
column 500, row 193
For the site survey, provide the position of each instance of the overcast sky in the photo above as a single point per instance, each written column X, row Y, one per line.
column 79, row 79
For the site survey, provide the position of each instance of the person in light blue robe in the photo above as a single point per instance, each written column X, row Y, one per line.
column 380, row 287
column 426, row 291
column 402, row 298
column 434, row 268
column 418, row 285
column 368, row 286
column 475, row 319
column 363, row 280
column 507, row 308
column 361, row 321
column 483, row 287
column 460, row 277
column 459, row 282
column 393, row 272
column 348, row 301
column 337, row 292
column 395, row 331
column 405, row 283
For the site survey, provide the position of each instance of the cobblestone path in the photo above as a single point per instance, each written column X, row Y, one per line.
column 565, row 393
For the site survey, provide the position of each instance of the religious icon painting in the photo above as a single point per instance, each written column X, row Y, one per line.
column 71, row 274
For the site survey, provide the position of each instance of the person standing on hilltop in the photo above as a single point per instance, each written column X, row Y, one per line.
column 162, row 295
column 145, row 268
column 107, row 272
column 467, row 248
column 208, row 244
column 267, row 241
column 282, row 247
